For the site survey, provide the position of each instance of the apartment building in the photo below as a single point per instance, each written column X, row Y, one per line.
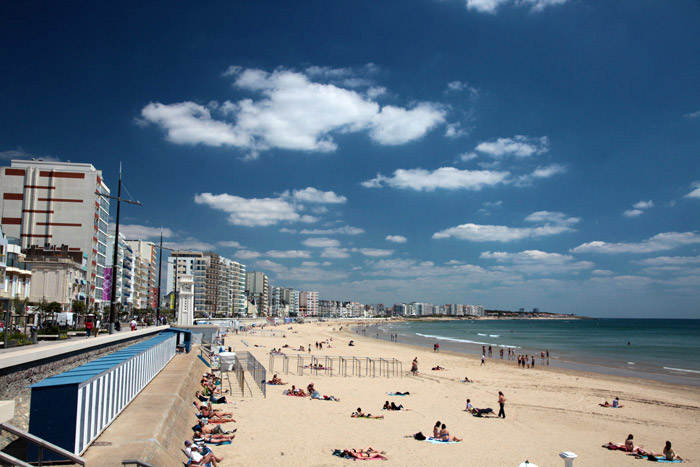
column 308, row 303
column 144, row 291
column 256, row 290
column 57, row 203
column 219, row 283
column 124, row 273
column 282, row 301
column 15, row 275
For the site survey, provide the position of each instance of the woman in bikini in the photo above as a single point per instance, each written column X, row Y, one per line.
column 445, row 435
column 366, row 453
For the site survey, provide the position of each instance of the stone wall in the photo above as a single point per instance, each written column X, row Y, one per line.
column 15, row 381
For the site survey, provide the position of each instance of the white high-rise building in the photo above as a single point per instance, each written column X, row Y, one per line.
column 57, row 203
column 308, row 303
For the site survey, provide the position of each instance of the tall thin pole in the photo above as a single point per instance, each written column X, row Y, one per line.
column 160, row 271
column 112, row 311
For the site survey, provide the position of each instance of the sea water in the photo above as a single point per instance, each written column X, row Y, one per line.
column 660, row 349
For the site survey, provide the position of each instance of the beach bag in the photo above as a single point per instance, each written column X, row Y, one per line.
column 419, row 436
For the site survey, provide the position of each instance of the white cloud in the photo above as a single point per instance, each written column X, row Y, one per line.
column 374, row 252
column 288, row 254
column 312, row 195
column 639, row 208
column 540, row 172
column 142, row 232
column 395, row 238
column 518, row 146
column 344, row 230
column 467, row 156
column 253, row 212
column 333, row 252
column 490, row 6
column 229, row 244
column 395, row 125
column 455, row 130
column 659, row 242
column 695, row 114
column 695, row 193
column 189, row 244
column 536, row 261
column 554, row 223
column 247, row 254
column 20, row 153
column 669, row 260
column 448, row 178
column 293, row 112
column 602, row 272
column 321, row 242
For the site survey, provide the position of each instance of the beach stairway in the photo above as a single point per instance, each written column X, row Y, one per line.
column 240, row 382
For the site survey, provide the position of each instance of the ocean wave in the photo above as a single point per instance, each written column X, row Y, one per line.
column 630, row 363
column 684, row 370
column 494, row 335
column 482, row 334
column 466, row 341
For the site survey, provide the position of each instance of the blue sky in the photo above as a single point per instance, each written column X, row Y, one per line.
column 509, row 153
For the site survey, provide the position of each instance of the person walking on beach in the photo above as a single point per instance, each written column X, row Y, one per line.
column 502, row 404
column 483, row 359
column 414, row 366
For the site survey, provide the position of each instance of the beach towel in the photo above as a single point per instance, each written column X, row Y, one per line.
column 218, row 443
column 661, row 459
column 439, row 441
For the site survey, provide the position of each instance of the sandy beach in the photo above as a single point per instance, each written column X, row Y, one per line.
column 548, row 410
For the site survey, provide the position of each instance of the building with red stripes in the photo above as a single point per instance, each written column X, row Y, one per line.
column 54, row 203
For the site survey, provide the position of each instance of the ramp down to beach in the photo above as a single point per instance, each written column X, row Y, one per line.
column 156, row 423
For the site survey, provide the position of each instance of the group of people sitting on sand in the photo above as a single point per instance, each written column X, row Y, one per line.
column 317, row 366
column 441, row 433
column 639, row 451
column 208, row 429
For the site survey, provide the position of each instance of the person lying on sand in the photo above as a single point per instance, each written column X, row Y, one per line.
column 478, row 412
column 212, row 415
column 466, row 380
column 392, row 406
column 316, row 395
column 192, row 451
column 445, row 435
column 294, row 392
column 438, row 368
column 399, row 393
column 360, row 414
column 276, row 381
column 627, row 446
column 367, row 453
column 667, row 454
column 201, row 437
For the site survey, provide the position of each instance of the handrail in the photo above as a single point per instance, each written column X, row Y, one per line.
column 8, row 459
column 43, row 444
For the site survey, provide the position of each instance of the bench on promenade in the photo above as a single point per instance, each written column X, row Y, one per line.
column 48, row 337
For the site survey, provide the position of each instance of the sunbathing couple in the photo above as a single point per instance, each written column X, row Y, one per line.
column 276, row 381
column 478, row 412
column 441, row 433
column 392, row 406
column 208, row 429
column 200, row 456
column 367, row 453
column 214, row 439
column 639, row 451
column 438, row 368
column 615, row 403
column 360, row 414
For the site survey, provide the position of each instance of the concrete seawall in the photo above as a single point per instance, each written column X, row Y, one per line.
column 154, row 426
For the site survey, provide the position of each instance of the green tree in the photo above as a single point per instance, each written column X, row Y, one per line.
column 54, row 307
column 79, row 307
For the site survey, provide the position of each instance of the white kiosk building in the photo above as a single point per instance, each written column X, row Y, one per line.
column 185, row 309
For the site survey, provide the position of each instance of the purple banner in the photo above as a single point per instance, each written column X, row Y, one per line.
column 107, row 285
